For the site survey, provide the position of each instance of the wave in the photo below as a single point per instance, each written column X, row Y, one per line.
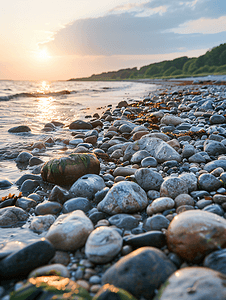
column 36, row 95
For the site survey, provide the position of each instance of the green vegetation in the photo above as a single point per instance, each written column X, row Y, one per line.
column 213, row 62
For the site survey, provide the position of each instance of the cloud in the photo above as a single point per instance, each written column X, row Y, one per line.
column 151, row 27
column 205, row 26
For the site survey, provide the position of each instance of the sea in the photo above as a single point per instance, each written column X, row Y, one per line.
column 35, row 103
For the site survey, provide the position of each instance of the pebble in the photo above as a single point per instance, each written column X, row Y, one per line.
column 156, row 222
column 103, row 244
column 184, row 199
column 159, row 205
column 53, row 269
column 209, row 182
column 173, row 187
column 148, row 179
column 5, row 183
column 152, row 238
column 48, row 207
column 40, row 224
column 23, row 157
column 216, row 261
column 124, row 221
column 12, row 215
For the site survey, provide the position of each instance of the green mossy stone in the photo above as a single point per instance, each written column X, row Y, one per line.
column 66, row 170
column 50, row 288
column 110, row 292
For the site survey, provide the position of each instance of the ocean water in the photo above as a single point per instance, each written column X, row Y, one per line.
column 34, row 104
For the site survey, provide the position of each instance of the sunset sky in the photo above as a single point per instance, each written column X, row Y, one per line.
column 61, row 39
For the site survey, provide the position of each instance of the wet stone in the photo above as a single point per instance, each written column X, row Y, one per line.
column 29, row 186
column 79, row 203
column 214, row 148
column 219, row 199
column 139, row 156
column 152, row 194
column 53, row 269
column 216, row 261
column 209, row 182
column 153, row 238
column 12, row 215
column 23, row 157
column 156, row 222
column 18, row 129
column 159, row 205
column 184, row 199
column 140, row 272
column 5, row 183
column 59, row 194
column 215, row 209
column 48, row 207
column 25, row 203
column 124, row 221
column 33, row 161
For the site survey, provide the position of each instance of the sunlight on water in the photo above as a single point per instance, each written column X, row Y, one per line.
column 46, row 109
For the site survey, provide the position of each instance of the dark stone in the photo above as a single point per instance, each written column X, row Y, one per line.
column 151, row 238
column 215, row 209
column 28, row 176
column 209, row 182
column 5, row 184
column 214, row 147
column 199, row 194
column 79, row 124
column 217, row 119
column 156, row 222
column 21, row 263
column 170, row 164
column 124, row 221
column 34, row 161
column 75, row 204
column 59, row 194
column 216, row 261
column 28, row 186
column 110, row 292
column 141, row 272
column 97, row 216
column 21, row 128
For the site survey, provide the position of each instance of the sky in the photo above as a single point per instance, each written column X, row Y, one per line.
column 63, row 39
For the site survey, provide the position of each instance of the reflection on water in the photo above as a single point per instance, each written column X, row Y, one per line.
column 46, row 109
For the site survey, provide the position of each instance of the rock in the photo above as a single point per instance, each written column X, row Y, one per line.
column 79, row 124
column 103, row 244
column 184, row 199
column 151, row 238
column 25, row 203
column 138, row 135
column 29, row 186
column 152, row 194
column 156, row 147
column 61, row 257
column 26, row 177
column 214, row 148
column 216, row 261
column 123, row 171
column 8, row 248
column 117, row 154
column 188, row 150
column 171, row 119
column 217, row 119
column 122, row 103
column 209, row 167
column 109, row 291
column 5, row 184
column 18, row 129
column 33, row 161
column 79, row 203
column 23, row 157
column 215, row 209
column 58, row 194
column 191, row 181
column 156, row 222
column 12, row 215
column 193, row 283
column 21, row 263
column 54, row 269
column 138, row 156
column 75, row 142
column 53, row 287
column 140, row 272
column 193, row 234
column 149, row 162
column 48, row 207
column 197, row 158
column 209, row 182
column 148, row 179
column 184, row 208
column 159, row 205
column 66, row 170
column 172, row 187
column 124, row 197
column 219, row 198
column 174, row 144
column 40, row 224
column 87, row 186
column 124, row 221
column 70, row 232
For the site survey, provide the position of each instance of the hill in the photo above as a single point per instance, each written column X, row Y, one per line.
column 212, row 62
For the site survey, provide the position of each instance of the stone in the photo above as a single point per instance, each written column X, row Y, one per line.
column 152, row 194
column 78, row 203
column 149, row 162
column 48, row 207
column 148, row 179
column 40, row 224
column 117, row 154
column 61, row 257
column 214, row 148
column 217, row 119
column 156, row 147
column 59, row 194
column 70, row 231
column 87, row 186
column 29, row 186
column 103, row 244
column 138, row 135
column 194, row 283
column 138, row 156
column 25, row 203
column 23, row 157
column 79, row 124
column 216, row 261
column 209, row 182
column 75, row 142
column 210, row 166
column 109, row 291
column 8, row 248
column 153, row 238
column 197, row 158
column 33, row 161
column 159, row 205
column 53, row 287
column 195, row 233
column 171, row 119
column 188, row 150
column 156, row 222
column 184, row 199
column 53, row 269
column 26, row 177
column 215, row 209
column 66, row 170
column 124, row 221
column 172, row 187
column 191, row 181
column 184, row 208
column 219, row 198
column 22, row 262
column 5, row 184
column 174, row 144
column 124, row 197
column 12, row 215
column 20, row 128
column 141, row 272
column 123, row 171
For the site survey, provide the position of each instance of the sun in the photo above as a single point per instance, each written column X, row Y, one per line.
column 43, row 54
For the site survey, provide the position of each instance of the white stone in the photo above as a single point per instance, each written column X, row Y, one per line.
column 103, row 244
column 54, row 269
column 40, row 224
column 159, row 205
column 171, row 119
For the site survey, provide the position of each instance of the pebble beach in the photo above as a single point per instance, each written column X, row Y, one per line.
column 129, row 203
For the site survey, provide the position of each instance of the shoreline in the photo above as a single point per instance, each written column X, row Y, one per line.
column 158, row 145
